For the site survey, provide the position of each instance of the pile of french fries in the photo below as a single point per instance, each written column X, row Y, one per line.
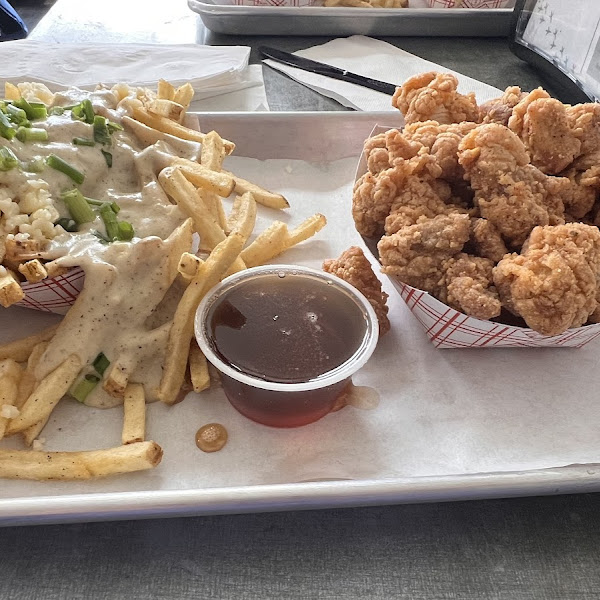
column 198, row 188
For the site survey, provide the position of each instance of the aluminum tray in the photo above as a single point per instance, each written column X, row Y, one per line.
column 319, row 20
column 324, row 137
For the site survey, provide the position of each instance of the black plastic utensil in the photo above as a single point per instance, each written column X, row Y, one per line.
column 12, row 26
column 313, row 66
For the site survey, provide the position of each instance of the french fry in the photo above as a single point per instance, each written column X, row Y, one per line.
column 261, row 195
column 213, row 151
column 134, row 414
column 213, row 181
column 198, row 368
column 165, row 90
column 10, row 375
column 183, row 192
column 276, row 239
column 212, row 155
column 42, row 466
column 173, row 128
column 116, row 379
column 33, row 271
column 307, row 229
column 188, row 265
column 28, row 381
column 19, row 251
column 20, row 350
column 148, row 136
column 11, row 91
column 180, row 335
column 269, row 244
column 166, row 108
column 33, row 433
column 46, row 395
column 10, row 290
column 244, row 218
column 55, row 269
column 184, row 94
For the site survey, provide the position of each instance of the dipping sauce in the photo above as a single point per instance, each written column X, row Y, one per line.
column 211, row 437
column 286, row 340
column 284, row 329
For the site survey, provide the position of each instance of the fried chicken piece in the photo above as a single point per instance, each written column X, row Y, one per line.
column 384, row 148
column 499, row 110
column 433, row 96
column 585, row 123
column 553, row 284
column 353, row 267
column 468, row 286
column 421, row 198
column 512, row 194
column 543, row 124
column 583, row 191
column 416, row 254
column 487, row 241
column 441, row 141
column 374, row 194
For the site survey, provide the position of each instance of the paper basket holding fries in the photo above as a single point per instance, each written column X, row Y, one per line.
column 447, row 327
column 53, row 294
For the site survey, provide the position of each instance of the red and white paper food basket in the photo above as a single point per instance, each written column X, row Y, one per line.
column 56, row 294
column 470, row 3
column 448, row 328
column 270, row 2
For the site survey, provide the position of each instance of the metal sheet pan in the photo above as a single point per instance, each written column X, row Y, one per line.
column 338, row 21
column 292, row 136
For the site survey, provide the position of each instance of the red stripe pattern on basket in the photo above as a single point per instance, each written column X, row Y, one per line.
column 55, row 294
column 448, row 328
column 468, row 3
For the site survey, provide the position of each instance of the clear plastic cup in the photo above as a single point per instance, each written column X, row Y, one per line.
column 266, row 391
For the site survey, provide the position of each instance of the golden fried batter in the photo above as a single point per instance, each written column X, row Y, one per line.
column 416, row 254
column 542, row 123
column 486, row 240
column 354, row 267
column 433, row 96
column 553, row 283
column 499, row 110
column 512, row 194
column 468, row 286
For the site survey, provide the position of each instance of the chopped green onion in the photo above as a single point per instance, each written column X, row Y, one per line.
column 84, row 111
column 81, row 390
column 32, row 134
column 79, row 209
column 94, row 202
column 126, row 232
column 33, row 110
column 110, row 222
column 112, row 127
column 67, row 224
column 101, row 237
column 56, row 110
column 17, row 115
column 8, row 160
column 63, row 166
column 40, row 111
column 101, row 134
column 107, row 158
column 116, row 208
column 6, row 129
column 101, row 363
column 36, row 165
column 81, row 141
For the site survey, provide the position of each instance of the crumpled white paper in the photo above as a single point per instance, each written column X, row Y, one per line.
column 212, row 70
column 371, row 58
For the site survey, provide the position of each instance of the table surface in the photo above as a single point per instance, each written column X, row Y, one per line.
column 514, row 549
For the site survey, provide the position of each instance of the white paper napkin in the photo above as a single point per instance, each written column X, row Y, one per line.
column 371, row 58
column 212, row 70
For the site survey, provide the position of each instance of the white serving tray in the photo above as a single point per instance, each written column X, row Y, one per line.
column 452, row 424
column 338, row 21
